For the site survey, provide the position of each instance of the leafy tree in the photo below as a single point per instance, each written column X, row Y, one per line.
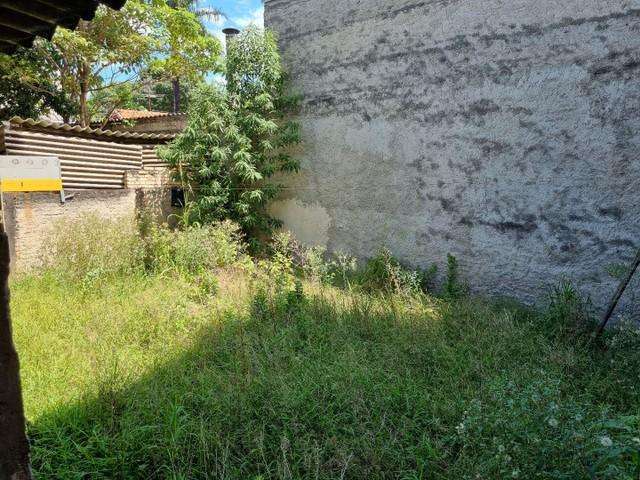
column 237, row 138
column 116, row 47
column 160, row 95
column 201, row 12
column 31, row 90
column 101, row 54
column 126, row 95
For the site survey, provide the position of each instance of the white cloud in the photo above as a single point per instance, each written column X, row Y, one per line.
column 255, row 17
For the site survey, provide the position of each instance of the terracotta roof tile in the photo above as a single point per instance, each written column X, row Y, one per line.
column 88, row 131
column 127, row 114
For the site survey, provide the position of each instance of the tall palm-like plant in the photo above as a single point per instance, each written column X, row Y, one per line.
column 203, row 13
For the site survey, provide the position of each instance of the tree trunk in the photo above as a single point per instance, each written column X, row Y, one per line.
column 175, row 83
column 84, row 94
column 84, row 74
column 14, row 447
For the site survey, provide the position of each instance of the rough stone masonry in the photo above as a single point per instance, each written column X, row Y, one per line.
column 506, row 132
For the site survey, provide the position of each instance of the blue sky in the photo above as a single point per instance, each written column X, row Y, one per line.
column 240, row 14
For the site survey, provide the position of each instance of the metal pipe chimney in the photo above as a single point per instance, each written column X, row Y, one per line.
column 230, row 34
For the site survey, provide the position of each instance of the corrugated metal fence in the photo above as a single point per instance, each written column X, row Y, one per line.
column 86, row 163
column 150, row 157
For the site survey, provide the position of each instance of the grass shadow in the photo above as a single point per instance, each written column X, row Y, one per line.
column 327, row 386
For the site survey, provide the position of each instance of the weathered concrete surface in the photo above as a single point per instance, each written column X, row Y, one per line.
column 504, row 131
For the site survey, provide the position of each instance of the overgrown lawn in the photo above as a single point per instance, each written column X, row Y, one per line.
column 133, row 376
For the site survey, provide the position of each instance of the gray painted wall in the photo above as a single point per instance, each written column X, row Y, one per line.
column 504, row 131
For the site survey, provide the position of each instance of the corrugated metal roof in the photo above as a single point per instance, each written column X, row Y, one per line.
column 64, row 128
column 127, row 114
column 22, row 20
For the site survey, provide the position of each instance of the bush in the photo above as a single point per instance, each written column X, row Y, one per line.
column 97, row 248
column 194, row 249
column 382, row 273
column 385, row 273
column 310, row 262
column 567, row 312
column 453, row 288
column 277, row 272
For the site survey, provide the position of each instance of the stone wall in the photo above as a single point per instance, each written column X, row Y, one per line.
column 504, row 132
column 30, row 218
column 153, row 193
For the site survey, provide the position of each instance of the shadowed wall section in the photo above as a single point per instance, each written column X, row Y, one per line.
column 506, row 133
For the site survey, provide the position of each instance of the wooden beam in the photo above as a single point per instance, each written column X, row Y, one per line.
column 40, row 17
column 39, row 11
column 14, row 447
column 84, row 9
column 12, row 35
column 26, row 23
column 115, row 4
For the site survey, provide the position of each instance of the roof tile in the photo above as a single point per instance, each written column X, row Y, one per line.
column 88, row 131
column 128, row 114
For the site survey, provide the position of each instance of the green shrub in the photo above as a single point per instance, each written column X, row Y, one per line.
column 344, row 269
column 382, row 273
column 277, row 271
column 314, row 266
column 311, row 263
column 567, row 312
column 194, row 249
column 385, row 273
column 279, row 290
column 94, row 248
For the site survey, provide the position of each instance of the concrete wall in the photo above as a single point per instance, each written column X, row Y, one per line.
column 153, row 194
column 30, row 218
column 505, row 132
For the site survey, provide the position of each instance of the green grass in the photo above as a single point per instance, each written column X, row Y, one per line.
column 127, row 380
column 130, row 376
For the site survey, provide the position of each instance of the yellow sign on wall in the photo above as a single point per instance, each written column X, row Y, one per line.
column 29, row 173
column 30, row 185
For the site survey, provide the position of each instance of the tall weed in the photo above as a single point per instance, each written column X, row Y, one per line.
column 453, row 287
column 94, row 248
column 567, row 313
column 194, row 249
column 385, row 273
